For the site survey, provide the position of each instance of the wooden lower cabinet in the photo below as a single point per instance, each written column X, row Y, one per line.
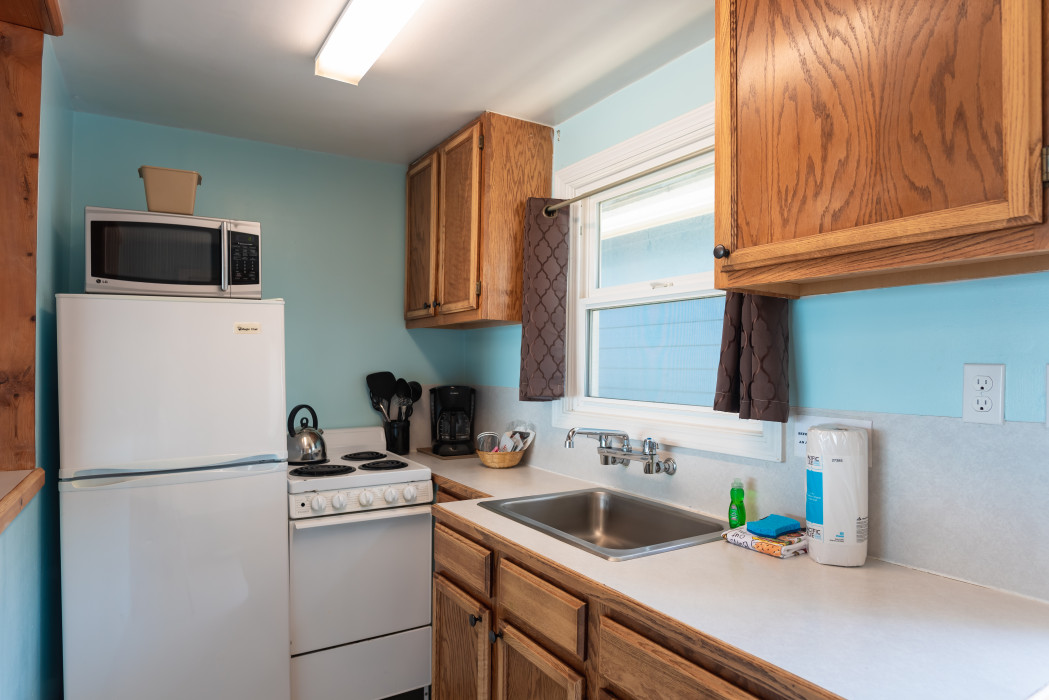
column 461, row 648
column 523, row 669
column 551, row 633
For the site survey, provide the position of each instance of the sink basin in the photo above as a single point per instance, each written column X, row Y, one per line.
column 610, row 524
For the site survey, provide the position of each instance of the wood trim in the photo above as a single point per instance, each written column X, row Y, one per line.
column 553, row 613
column 646, row 670
column 461, row 492
column 14, row 501
column 462, row 559
column 753, row 674
column 42, row 15
column 21, row 50
column 1022, row 108
column 538, row 658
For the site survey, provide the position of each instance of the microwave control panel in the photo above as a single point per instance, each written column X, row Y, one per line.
column 243, row 258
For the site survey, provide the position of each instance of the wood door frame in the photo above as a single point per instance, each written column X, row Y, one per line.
column 1022, row 139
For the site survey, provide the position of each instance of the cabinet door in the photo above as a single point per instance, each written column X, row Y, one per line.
column 461, row 649
column 420, row 253
column 848, row 127
column 460, row 211
column 523, row 669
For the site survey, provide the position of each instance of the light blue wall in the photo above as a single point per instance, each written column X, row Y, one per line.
column 892, row 350
column 30, row 633
column 333, row 249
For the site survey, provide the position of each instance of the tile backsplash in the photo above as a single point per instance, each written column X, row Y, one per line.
column 957, row 499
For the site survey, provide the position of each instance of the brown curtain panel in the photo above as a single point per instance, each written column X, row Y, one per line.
column 752, row 374
column 544, row 295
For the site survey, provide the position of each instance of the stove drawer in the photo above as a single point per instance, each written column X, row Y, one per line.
column 376, row 668
column 359, row 576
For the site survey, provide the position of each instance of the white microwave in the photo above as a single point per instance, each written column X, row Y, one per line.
column 137, row 252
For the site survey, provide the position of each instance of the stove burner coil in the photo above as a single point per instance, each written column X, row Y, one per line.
column 312, row 470
column 384, row 465
column 363, row 456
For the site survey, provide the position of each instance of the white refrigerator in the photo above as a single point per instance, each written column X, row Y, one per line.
column 173, row 498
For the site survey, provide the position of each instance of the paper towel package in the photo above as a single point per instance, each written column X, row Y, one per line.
column 836, row 502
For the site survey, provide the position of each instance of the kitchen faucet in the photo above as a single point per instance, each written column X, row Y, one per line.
column 624, row 454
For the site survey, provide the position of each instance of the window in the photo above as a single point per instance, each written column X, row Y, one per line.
column 644, row 318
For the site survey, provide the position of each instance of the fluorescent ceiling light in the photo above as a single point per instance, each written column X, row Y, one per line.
column 360, row 35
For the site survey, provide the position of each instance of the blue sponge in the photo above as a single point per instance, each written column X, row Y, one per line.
column 773, row 526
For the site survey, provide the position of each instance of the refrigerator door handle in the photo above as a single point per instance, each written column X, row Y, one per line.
column 225, row 255
column 162, row 478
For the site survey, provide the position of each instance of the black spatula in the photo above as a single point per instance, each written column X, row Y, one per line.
column 384, row 386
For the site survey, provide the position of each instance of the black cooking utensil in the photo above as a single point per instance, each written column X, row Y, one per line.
column 384, row 386
column 416, row 394
column 377, row 405
column 404, row 394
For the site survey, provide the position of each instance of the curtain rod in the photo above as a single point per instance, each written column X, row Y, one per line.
column 551, row 210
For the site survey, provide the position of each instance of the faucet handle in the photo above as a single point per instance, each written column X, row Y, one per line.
column 649, row 446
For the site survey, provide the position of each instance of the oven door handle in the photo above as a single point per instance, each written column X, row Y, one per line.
column 368, row 516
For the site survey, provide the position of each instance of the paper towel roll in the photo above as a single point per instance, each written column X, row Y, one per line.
column 836, row 504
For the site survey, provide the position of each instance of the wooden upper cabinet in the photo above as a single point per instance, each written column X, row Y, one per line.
column 485, row 173
column 421, row 249
column 460, row 212
column 871, row 143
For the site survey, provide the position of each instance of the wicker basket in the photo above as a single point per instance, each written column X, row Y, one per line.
column 500, row 460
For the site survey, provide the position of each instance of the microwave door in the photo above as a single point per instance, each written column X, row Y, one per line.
column 156, row 254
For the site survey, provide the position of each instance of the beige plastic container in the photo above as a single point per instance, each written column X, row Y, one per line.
column 169, row 190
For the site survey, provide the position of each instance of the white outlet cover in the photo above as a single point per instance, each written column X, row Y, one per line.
column 974, row 404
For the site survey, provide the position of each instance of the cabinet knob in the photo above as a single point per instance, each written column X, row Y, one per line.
column 720, row 252
column 492, row 636
column 473, row 619
column 426, row 304
column 436, row 304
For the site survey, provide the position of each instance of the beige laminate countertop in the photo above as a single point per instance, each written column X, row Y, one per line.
column 876, row 631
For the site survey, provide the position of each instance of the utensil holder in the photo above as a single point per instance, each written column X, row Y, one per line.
column 397, row 433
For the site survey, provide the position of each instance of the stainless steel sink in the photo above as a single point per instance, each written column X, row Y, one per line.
column 610, row 524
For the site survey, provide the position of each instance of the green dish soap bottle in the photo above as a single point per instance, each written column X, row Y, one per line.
column 737, row 512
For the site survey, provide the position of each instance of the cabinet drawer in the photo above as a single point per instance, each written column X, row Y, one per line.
column 643, row 669
column 463, row 559
column 445, row 497
column 557, row 615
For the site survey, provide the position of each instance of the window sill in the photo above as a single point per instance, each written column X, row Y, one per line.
column 722, row 433
column 17, row 489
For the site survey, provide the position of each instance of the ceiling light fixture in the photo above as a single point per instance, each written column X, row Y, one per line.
column 360, row 35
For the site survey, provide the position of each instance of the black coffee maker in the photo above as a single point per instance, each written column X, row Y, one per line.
column 452, row 420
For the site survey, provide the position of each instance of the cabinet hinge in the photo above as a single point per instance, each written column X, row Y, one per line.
column 477, row 289
column 1045, row 164
column 480, row 142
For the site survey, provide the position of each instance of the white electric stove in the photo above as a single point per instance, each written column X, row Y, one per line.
column 360, row 543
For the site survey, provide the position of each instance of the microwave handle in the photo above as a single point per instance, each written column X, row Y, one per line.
column 225, row 255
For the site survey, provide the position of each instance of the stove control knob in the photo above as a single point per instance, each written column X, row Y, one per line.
column 317, row 504
column 390, row 496
column 338, row 501
column 365, row 498
column 409, row 494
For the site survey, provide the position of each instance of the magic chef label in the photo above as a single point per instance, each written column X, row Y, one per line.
column 247, row 328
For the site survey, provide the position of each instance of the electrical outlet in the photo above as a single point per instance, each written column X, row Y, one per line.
column 983, row 394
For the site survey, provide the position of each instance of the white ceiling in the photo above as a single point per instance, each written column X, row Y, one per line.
column 245, row 67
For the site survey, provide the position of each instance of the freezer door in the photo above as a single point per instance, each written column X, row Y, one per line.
column 150, row 383
column 176, row 588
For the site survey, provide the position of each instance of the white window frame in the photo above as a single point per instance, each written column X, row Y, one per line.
column 695, row 427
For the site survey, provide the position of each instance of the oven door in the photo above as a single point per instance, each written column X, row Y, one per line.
column 359, row 576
